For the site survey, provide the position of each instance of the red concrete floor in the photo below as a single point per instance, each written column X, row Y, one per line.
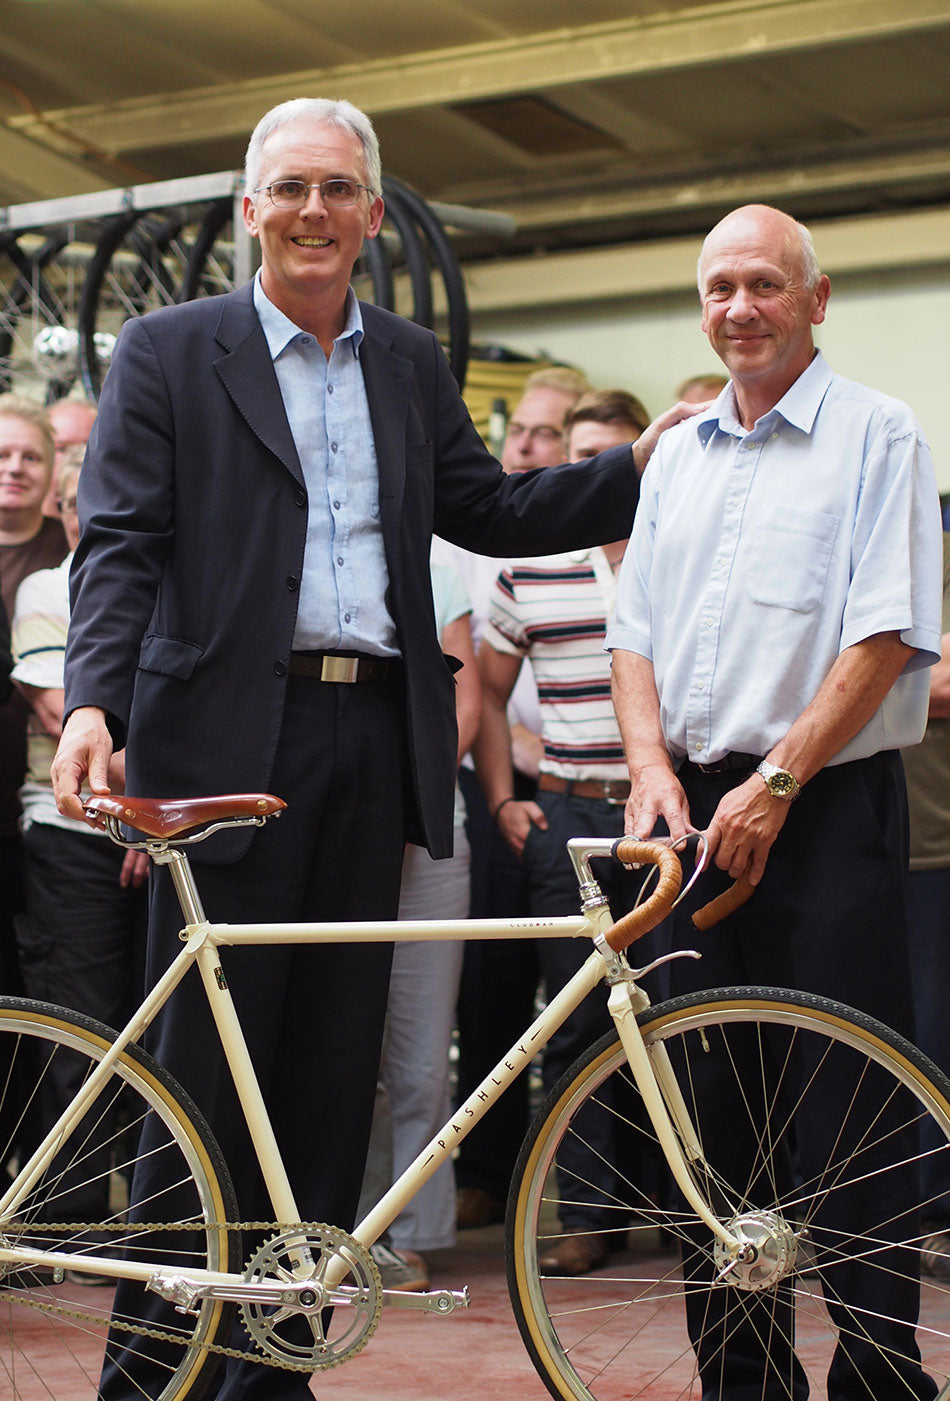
column 475, row 1354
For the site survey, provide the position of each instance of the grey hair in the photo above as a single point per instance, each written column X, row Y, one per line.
column 811, row 268
column 320, row 109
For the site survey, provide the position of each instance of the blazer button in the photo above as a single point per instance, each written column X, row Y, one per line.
column 300, row 498
column 292, row 582
column 280, row 668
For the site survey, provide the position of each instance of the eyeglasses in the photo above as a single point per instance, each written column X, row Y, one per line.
column 293, row 194
column 67, row 504
column 542, row 431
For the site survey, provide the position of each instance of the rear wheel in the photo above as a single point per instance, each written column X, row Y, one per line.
column 55, row 1335
column 814, row 1122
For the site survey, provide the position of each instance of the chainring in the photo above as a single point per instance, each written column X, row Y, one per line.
column 307, row 1328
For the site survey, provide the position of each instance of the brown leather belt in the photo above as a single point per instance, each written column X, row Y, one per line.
column 337, row 667
column 609, row 790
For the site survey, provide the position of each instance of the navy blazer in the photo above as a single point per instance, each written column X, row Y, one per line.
column 193, row 510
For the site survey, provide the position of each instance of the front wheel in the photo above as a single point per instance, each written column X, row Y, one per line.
column 55, row 1333
column 825, row 1141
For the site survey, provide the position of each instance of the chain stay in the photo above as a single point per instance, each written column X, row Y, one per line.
column 158, row 1334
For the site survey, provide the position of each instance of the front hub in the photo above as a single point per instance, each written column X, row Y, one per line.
column 768, row 1254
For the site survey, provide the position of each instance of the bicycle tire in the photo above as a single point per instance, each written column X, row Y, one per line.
column 621, row 1330
column 54, row 1333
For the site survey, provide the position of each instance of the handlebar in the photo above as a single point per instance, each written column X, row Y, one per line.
column 657, row 906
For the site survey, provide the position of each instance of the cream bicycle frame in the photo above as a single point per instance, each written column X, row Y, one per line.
column 201, row 943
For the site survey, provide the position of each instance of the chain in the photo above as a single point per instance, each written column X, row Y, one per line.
column 126, row 1227
column 158, row 1334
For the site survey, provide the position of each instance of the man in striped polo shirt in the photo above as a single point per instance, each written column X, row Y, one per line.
column 554, row 611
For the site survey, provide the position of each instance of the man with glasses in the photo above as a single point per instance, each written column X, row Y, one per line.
column 71, row 421
column 252, row 611
column 500, row 979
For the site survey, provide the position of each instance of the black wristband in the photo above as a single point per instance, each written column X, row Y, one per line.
column 494, row 816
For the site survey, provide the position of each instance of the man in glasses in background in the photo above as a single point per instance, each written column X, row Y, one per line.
column 252, row 610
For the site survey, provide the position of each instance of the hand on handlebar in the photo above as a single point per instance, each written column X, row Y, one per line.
column 744, row 827
column 83, row 756
column 656, row 792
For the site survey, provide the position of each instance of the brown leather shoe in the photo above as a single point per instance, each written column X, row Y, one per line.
column 576, row 1253
column 476, row 1207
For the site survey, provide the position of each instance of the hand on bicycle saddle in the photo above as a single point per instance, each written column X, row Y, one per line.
column 82, row 757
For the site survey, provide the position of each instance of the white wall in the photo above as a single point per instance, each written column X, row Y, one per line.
column 889, row 329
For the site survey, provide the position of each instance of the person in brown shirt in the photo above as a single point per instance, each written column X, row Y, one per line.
column 28, row 541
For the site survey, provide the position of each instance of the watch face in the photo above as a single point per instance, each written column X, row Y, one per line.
column 781, row 784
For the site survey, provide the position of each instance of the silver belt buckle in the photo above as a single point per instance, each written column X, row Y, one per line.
column 614, row 802
column 340, row 669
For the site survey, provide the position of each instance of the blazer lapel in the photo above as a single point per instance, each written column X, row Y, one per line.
column 388, row 377
column 247, row 373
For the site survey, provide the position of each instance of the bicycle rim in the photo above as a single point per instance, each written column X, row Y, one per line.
column 55, row 1333
column 815, row 1122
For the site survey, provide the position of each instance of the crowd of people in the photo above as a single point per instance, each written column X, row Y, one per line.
column 738, row 643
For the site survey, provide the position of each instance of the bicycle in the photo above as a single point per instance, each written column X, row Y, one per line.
column 309, row 1294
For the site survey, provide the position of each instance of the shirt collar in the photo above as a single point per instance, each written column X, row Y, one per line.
column 279, row 330
column 798, row 406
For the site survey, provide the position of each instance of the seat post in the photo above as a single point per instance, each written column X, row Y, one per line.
column 182, row 879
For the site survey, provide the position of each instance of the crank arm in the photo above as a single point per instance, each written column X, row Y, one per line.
column 306, row 1295
column 442, row 1301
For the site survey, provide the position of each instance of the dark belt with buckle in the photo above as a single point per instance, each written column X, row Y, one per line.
column 733, row 762
column 609, row 790
column 340, row 667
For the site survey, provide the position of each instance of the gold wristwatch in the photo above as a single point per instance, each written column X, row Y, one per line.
column 779, row 782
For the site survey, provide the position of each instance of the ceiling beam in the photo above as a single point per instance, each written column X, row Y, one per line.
column 631, row 195
column 700, row 36
column 861, row 245
column 29, row 169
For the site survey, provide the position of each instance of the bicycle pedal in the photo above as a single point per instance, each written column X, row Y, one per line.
column 440, row 1301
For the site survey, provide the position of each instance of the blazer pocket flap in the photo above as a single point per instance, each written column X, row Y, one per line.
column 169, row 656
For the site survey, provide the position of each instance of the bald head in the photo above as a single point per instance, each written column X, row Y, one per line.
column 766, row 223
column 762, row 293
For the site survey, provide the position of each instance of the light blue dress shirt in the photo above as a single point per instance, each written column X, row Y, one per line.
column 342, row 604
column 756, row 557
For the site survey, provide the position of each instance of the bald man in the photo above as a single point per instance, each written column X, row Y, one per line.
column 778, row 608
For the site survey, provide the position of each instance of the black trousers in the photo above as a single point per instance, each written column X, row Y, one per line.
column 81, row 941
column 496, row 996
column 588, row 1162
column 313, row 1015
column 828, row 917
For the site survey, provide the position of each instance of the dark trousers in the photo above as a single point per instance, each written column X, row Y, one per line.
column 82, row 945
column 828, row 917
column 496, row 996
column 313, row 1015
column 928, row 929
column 587, row 1173
column 11, row 983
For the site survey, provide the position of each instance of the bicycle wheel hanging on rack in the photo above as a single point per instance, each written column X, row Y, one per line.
column 427, row 246
column 817, row 1127
column 34, row 330
column 54, row 1332
column 143, row 261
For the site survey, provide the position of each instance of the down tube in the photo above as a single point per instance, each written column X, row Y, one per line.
column 440, row 1148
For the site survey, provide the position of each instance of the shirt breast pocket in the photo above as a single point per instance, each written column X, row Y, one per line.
column 789, row 559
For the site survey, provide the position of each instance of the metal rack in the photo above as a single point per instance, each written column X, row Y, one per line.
column 72, row 270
